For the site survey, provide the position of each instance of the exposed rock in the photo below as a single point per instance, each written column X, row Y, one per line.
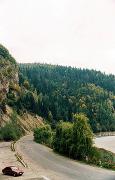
column 9, row 80
column 8, row 74
column 27, row 121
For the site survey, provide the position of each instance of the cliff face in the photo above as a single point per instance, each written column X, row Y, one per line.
column 9, row 82
column 8, row 74
column 27, row 121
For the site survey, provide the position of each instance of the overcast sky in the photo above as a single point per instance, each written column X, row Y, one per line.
column 79, row 33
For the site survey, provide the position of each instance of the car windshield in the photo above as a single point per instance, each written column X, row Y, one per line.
column 14, row 168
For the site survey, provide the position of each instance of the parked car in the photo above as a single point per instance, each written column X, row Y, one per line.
column 12, row 171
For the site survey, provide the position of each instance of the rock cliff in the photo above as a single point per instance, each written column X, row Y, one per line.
column 9, row 81
column 8, row 74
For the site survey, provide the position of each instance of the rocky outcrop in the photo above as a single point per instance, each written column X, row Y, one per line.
column 27, row 121
column 8, row 74
column 9, row 81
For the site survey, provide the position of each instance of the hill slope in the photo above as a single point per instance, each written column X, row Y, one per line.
column 56, row 92
column 61, row 91
column 10, row 91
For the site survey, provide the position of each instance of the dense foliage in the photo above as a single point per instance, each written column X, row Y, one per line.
column 43, row 134
column 4, row 54
column 12, row 130
column 74, row 139
column 57, row 92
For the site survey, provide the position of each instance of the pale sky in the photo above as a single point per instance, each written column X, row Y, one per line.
column 79, row 33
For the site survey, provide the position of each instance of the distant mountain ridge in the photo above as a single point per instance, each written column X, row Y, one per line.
column 106, row 81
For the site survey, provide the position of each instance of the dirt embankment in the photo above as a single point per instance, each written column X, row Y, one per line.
column 27, row 121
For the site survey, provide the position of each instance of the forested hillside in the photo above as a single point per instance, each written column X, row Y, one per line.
column 57, row 92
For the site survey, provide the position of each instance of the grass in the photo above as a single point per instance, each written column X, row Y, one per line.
column 102, row 158
column 107, row 159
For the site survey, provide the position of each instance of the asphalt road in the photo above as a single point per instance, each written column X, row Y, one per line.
column 59, row 167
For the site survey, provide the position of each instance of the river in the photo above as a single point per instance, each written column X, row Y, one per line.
column 107, row 142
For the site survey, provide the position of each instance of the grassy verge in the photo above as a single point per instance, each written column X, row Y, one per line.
column 102, row 158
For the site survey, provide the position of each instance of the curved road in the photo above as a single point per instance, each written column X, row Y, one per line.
column 58, row 167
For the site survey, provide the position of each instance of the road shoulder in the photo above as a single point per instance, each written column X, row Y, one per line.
column 8, row 158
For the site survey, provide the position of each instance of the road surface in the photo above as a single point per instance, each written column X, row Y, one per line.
column 107, row 142
column 57, row 167
column 7, row 158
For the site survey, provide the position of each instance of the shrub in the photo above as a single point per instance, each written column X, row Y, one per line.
column 11, row 131
column 74, row 139
column 8, row 132
column 107, row 158
column 43, row 135
column 94, row 156
column 82, row 137
column 62, row 139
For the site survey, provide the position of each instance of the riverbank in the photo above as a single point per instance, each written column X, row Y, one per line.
column 106, row 142
column 101, row 134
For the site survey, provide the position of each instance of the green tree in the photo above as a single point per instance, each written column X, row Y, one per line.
column 74, row 139
column 82, row 139
column 43, row 134
column 62, row 139
column 26, row 84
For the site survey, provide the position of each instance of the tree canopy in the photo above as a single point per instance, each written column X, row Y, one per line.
column 60, row 92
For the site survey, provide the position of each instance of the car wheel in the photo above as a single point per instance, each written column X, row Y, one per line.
column 14, row 174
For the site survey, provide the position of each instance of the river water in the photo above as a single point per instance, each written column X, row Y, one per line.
column 107, row 142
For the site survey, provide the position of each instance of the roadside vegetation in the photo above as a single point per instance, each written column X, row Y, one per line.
column 75, row 140
column 12, row 130
column 43, row 135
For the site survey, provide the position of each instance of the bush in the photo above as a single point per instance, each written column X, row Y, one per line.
column 94, row 156
column 82, row 137
column 62, row 139
column 8, row 132
column 102, row 158
column 107, row 159
column 11, row 131
column 43, row 135
column 74, row 139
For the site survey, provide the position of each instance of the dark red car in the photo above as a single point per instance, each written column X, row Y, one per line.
column 12, row 171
